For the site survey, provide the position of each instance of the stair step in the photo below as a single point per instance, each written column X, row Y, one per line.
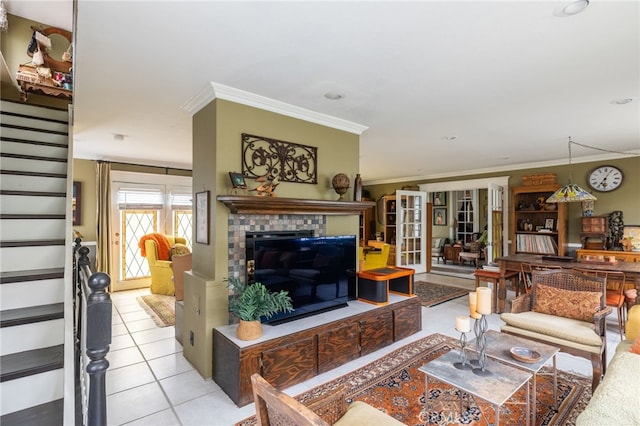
column 33, row 129
column 27, row 183
column 32, row 193
column 38, row 111
column 17, row 205
column 32, row 157
column 49, row 414
column 28, row 363
column 31, row 314
column 10, row 133
column 31, row 117
column 37, row 257
column 31, row 275
column 32, row 216
column 38, row 174
column 32, row 142
column 35, row 243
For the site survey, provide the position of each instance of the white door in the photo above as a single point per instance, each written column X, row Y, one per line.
column 494, row 221
column 411, row 224
column 140, row 208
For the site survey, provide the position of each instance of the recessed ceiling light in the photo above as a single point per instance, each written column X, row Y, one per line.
column 334, row 96
column 622, row 101
column 450, row 138
column 575, row 7
column 118, row 137
column 570, row 8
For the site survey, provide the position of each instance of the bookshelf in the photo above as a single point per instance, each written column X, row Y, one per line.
column 538, row 227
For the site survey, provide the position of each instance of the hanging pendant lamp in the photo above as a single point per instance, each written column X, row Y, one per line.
column 570, row 192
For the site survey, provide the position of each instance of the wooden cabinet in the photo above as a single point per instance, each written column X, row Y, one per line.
column 595, row 232
column 337, row 347
column 538, row 227
column 389, row 217
column 451, row 253
column 367, row 224
column 621, row 256
column 296, row 357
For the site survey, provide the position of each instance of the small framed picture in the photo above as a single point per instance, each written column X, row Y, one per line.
column 237, row 180
column 76, row 203
column 439, row 198
column 539, row 228
column 549, row 223
column 440, row 217
column 202, row 217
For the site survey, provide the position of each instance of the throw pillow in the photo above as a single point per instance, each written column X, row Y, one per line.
column 178, row 249
column 579, row 305
column 635, row 346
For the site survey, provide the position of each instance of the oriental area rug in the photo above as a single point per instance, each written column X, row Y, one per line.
column 160, row 307
column 394, row 384
column 434, row 294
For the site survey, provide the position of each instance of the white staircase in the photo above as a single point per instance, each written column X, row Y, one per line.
column 34, row 252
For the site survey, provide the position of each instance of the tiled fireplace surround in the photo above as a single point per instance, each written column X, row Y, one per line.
column 241, row 224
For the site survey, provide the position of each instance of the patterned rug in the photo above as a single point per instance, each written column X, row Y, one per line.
column 394, row 385
column 160, row 307
column 434, row 294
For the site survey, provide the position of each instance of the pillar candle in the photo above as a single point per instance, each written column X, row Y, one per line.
column 484, row 300
column 462, row 324
column 472, row 306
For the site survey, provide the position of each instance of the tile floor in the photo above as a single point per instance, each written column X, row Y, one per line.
column 149, row 382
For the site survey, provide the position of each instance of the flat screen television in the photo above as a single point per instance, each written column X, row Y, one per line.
column 318, row 272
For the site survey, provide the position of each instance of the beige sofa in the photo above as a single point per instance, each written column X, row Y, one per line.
column 616, row 401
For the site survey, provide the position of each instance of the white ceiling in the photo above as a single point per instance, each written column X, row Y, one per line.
column 511, row 80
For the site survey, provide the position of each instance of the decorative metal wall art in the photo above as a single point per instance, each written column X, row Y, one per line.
column 288, row 161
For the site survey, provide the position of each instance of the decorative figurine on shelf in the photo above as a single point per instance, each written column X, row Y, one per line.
column 267, row 186
column 340, row 183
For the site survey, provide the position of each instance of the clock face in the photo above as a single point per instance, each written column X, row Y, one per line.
column 605, row 178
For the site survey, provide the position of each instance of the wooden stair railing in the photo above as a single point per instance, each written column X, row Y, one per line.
column 92, row 319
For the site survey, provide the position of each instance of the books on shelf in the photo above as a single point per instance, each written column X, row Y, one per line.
column 532, row 243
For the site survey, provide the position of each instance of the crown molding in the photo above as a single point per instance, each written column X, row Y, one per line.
column 219, row 91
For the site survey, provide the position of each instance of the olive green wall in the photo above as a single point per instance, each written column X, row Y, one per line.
column 625, row 198
column 13, row 45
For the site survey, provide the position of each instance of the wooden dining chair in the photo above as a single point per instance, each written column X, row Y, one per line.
column 525, row 275
column 614, row 281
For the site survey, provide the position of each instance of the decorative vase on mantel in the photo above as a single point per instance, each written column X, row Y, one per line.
column 357, row 188
column 249, row 330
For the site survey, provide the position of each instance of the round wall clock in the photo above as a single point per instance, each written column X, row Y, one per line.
column 605, row 178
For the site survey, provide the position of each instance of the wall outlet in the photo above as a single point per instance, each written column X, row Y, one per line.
column 191, row 337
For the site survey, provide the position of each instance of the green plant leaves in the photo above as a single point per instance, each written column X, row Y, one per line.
column 250, row 302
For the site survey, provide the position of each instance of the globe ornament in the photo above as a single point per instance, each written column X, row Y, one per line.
column 340, row 183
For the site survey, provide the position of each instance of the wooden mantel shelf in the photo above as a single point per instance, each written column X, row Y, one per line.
column 242, row 204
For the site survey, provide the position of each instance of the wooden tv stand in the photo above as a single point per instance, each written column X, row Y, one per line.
column 308, row 349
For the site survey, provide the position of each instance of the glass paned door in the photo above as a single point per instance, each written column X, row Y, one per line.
column 494, row 225
column 140, row 208
column 411, row 224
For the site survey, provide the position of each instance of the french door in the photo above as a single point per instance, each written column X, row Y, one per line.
column 411, row 249
column 143, row 204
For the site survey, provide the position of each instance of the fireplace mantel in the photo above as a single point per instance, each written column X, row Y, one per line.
column 242, row 204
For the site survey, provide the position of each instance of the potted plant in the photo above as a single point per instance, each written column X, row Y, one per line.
column 253, row 301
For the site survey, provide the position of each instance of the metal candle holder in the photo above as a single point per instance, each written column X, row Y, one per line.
column 480, row 328
column 463, row 364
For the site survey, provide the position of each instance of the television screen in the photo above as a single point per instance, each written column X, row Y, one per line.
column 318, row 272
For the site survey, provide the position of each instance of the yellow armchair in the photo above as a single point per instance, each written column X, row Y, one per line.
column 161, row 270
column 374, row 259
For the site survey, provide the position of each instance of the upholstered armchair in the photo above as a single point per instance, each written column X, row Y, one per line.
column 274, row 407
column 157, row 249
column 565, row 309
column 376, row 258
column 437, row 248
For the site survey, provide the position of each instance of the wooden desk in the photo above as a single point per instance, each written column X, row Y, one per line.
column 512, row 264
column 499, row 289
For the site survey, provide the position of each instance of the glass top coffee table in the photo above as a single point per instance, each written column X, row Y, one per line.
column 499, row 347
column 495, row 388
